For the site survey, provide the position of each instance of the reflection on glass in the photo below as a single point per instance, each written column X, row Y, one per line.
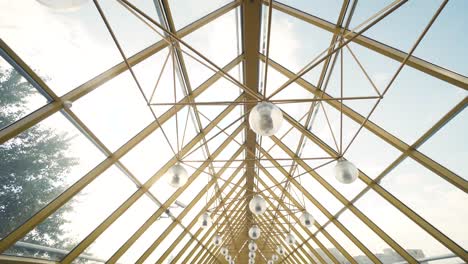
column 37, row 166
column 66, row 227
column 324, row 9
column 17, row 96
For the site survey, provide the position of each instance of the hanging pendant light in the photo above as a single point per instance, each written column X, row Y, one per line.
column 290, row 239
column 280, row 250
column 265, row 119
column 252, row 246
column 274, row 257
column 232, row 262
column 63, row 5
column 345, row 171
column 254, row 232
column 228, row 258
column 307, row 219
column 217, row 240
column 270, row 262
column 205, row 220
column 257, row 205
column 251, row 261
column 224, row 251
column 177, row 176
column 252, row 255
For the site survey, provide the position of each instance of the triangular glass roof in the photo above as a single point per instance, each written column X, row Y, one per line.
column 100, row 99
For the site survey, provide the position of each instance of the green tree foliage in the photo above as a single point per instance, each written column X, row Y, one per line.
column 33, row 166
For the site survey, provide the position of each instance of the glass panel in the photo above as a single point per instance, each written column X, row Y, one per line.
column 389, row 30
column 122, row 229
column 18, row 96
column 448, row 145
column 65, row 228
column 185, row 12
column 345, row 242
column 408, row 109
column 373, row 242
column 217, row 41
column 328, row 10
column 145, row 240
column 62, row 53
column 294, row 43
column 115, row 112
column 436, row 200
column 37, row 166
column 132, row 33
column 411, row 237
column 445, row 32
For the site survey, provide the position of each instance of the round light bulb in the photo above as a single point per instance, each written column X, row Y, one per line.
column 231, row 262
column 290, row 239
column 252, row 255
column 254, row 232
column 63, row 5
column 280, row 250
column 228, row 258
column 270, row 262
column 251, row 261
column 274, row 257
column 345, row 171
column 257, row 205
column 205, row 220
column 224, row 251
column 177, row 176
column 265, row 119
column 307, row 219
column 253, row 246
column 217, row 240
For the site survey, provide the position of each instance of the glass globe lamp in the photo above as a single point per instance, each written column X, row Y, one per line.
column 254, row 232
column 345, row 171
column 224, row 251
column 280, row 250
column 290, row 239
column 257, row 205
column 274, row 257
column 176, row 176
column 232, row 262
column 252, row 246
column 63, row 5
column 270, row 262
column 252, row 255
column 228, row 258
column 307, row 219
column 265, row 119
column 217, row 240
column 251, row 261
column 205, row 220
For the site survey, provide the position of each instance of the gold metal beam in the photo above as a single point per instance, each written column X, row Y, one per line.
column 251, row 11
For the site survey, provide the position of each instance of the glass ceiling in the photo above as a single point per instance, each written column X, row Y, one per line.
column 99, row 99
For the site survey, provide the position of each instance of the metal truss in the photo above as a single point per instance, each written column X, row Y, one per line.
column 231, row 197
